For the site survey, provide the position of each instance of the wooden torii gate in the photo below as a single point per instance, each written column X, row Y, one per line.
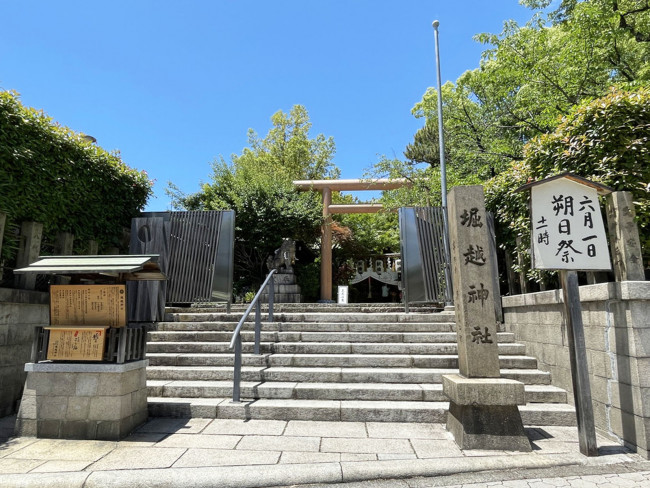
column 326, row 187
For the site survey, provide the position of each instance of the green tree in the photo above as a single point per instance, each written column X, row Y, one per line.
column 606, row 140
column 530, row 76
column 257, row 185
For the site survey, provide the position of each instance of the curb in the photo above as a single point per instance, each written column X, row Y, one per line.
column 285, row 474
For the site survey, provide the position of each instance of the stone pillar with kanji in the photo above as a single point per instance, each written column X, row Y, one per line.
column 483, row 412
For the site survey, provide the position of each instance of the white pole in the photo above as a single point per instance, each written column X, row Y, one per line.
column 443, row 174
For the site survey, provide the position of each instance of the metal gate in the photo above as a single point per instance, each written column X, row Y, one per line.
column 423, row 255
column 196, row 254
column 201, row 256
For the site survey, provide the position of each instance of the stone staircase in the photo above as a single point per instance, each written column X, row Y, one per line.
column 327, row 362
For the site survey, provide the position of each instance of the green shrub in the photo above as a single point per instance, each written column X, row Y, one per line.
column 50, row 174
column 606, row 140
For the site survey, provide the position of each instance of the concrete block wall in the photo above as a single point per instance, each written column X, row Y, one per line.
column 616, row 319
column 83, row 401
column 20, row 312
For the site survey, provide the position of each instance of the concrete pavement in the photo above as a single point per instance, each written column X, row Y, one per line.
column 262, row 453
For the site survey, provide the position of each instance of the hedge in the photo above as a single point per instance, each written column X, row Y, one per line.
column 51, row 174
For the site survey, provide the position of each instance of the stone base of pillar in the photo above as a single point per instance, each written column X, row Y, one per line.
column 83, row 401
column 286, row 289
column 483, row 413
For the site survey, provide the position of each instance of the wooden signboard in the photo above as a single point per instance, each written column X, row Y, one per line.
column 82, row 305
column 76, row 343
column 567, row 227
column 568, row 235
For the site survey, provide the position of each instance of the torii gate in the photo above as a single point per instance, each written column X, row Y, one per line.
column 326, row 187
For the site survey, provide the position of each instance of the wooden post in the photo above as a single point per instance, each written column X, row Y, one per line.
column 3, row 220
column 31, row 235
column 523, row 281
column 578, row 359
column 512, row 277
column 326, row 248
column 624, row 237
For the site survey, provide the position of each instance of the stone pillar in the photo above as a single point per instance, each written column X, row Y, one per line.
column 64, row 244
column 483, row 411
column 624, row 237
column 3, row 220
column 93, row 248
column 31, row 234
column 326, row 248
column 63, row 247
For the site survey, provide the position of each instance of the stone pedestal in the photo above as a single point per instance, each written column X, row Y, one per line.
column 483, row 413
column 83, row 401
column 286, row 289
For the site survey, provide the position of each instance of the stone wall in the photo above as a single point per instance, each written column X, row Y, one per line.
column 20, row 311
column 616, row 320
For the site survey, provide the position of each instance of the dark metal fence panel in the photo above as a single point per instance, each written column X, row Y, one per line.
column 149, row 235
column 495, row 266
column 413, row 288
column 423, row 254
column 431, row 233
column 195, row 242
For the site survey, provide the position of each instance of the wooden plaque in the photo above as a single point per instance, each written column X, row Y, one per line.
column 81, row 305
column 76, row 343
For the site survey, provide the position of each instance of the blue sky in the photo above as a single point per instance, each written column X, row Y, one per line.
column 175, row 84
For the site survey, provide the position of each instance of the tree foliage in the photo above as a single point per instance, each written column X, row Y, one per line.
column 52, row 175
column 257, row 185
column 606, row 140
column 530, row 76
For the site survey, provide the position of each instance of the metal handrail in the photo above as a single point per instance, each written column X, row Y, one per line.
column 236, row 335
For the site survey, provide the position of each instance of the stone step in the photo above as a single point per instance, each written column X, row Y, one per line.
column 308, row 307
column 432, row 327
column 329, row 360
column 251, row 390
column 533, row 414
column 384, row 317
column 329, row 374
column 325, row 348
column 270, row 336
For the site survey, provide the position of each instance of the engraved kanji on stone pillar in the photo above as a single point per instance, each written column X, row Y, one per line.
column 483, row 411
column 478, row 356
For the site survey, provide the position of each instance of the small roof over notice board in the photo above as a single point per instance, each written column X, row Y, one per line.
column 136, row 267
column 602, row 190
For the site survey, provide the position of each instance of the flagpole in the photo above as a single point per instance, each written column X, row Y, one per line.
column 443, row 176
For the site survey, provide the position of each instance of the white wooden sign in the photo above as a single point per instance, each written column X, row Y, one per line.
column 343, row 295
column 567, row 227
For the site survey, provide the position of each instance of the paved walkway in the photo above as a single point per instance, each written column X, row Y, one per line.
column 261, row 453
